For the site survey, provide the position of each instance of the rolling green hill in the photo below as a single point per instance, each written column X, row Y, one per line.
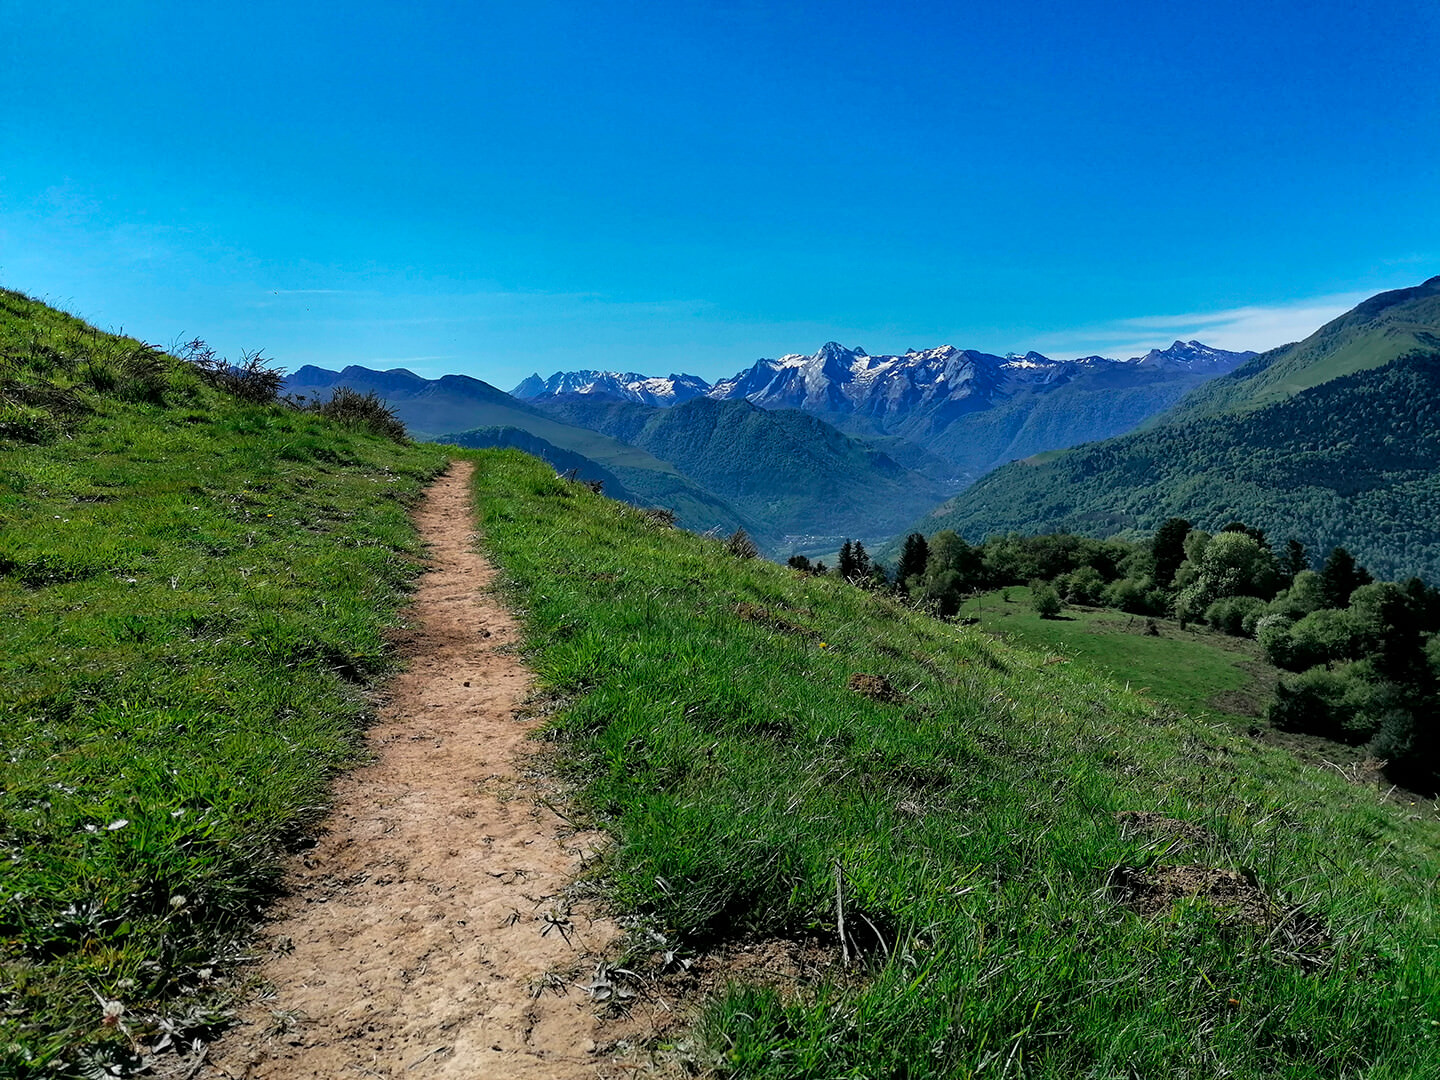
column 782, row 759
column 787, row 469
column 1284, row 443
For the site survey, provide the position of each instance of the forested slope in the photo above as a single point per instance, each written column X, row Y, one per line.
column 1350, row 462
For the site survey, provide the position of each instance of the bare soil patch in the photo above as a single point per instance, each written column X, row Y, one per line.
column 876, row 688
column 429, row 932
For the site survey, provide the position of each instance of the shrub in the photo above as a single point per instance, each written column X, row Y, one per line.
column 1083, row 586
column 1273, row 633
column 1229, row 613
column 1044, row 599
column 1304, row 595
column 659, row 517
column 1325, row 635
column 740, row 545
column 368, row 411
column 1312, row 702
column 253, row 379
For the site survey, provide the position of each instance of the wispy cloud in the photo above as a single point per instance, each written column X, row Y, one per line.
column 1255, row 326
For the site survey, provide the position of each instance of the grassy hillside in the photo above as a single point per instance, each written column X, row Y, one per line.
column 1350, row 462
column 1004, row 920
column 1386, row 326
column 1202, row 672
column 195, row 593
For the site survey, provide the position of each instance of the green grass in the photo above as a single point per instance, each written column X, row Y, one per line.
column 1198, row 671
column 973, row 824
column 195, row 593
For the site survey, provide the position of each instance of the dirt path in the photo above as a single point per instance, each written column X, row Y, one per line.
column 424, row 935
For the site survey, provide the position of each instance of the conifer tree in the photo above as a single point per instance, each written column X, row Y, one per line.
column 1169, row 549
column 1296, row 558
column 912, row 559
column 1341, row 576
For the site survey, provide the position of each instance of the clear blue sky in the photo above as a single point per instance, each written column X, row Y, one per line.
column 498, row 188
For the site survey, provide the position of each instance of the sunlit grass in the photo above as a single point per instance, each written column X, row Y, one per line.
column 973, row 825
column 194, row 596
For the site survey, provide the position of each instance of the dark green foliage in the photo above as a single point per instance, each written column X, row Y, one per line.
column 1082, row 586
column 1140, row 597
column 1340, row 576
column 1258, row 535
column 1229, row 614
column 1044, row 599
column 1168, row 548
column 913, row 557
column 740, row 545
column 1296, row 559
column 801, row 563
column 854, row 564
column 1322, row 701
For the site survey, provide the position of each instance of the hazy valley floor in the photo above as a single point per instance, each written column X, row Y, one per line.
column 425, row 935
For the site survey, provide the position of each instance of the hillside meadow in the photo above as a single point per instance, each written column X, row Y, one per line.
column 1039, row 871
column 196, row 592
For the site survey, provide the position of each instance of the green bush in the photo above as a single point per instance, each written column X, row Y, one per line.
column 1273, row 633
column 1044, row 599
column 1229, row 613
column 1082, row 586
column 1325, row 635
column 1314, row 702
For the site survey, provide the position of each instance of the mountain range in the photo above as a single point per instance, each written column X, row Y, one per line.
column 972, row 410
column 1333, row 440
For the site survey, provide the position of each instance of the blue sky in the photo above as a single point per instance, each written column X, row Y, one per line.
column 500, row 188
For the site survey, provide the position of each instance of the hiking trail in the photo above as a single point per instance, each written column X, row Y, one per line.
column 426, row 934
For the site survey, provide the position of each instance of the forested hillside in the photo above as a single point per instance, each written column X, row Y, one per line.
column 1352, row 462
column 784, row 468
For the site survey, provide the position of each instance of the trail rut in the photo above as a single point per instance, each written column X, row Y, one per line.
column 425, row 934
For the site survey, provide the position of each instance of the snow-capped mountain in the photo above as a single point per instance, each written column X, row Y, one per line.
column 615, row 385
column 972, row 409
column 839, row 380
column 1193, row 356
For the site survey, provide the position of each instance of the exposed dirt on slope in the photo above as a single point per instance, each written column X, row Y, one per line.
column 426, row 934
